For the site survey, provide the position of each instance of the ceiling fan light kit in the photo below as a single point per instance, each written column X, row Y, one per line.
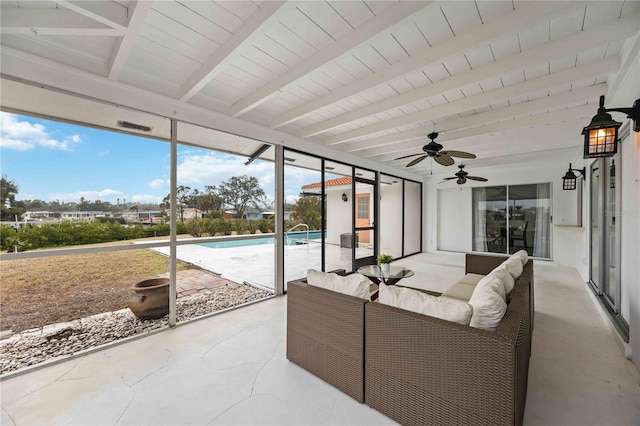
column 462, row 177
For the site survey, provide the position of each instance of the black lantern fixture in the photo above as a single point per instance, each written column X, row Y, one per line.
column 612, row 175
column 570, row 178
column 601, row 135
column 344, row 197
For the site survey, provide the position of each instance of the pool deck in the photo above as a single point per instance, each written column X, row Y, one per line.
column 255, row 263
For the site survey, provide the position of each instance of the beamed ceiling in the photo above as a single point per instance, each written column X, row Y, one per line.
column 506, row 80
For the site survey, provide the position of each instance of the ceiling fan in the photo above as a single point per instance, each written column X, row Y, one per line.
column 462, row 177
column 434, row 150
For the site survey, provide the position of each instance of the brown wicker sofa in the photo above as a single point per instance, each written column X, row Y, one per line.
column 420, row 370
column 325, row 335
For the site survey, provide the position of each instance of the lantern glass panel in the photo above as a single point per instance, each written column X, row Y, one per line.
column 602, row 142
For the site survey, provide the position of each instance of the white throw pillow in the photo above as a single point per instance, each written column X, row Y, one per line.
column 354, row 285
column 493, row 283
column 444, row 308
column 523, row 256
column 505, row 278
column 514, row 266
column 488, row 309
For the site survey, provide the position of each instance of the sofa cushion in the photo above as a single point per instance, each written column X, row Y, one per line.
column 514, row 266
column 505, row 277
column 522, row 255
column 493, row 282
column 472, row 279
column 354, row 285
column 409, row 299
column 460, row 291
column 488, row 309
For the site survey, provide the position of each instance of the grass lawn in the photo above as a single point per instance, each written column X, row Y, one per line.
column 37, row 292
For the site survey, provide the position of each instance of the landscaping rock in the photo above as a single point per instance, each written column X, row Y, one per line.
column 35, row 346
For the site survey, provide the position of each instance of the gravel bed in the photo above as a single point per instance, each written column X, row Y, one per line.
column 36, row 346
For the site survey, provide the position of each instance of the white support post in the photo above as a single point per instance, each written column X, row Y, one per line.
column 173, row 249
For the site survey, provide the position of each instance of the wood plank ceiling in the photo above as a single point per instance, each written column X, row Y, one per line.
column 507, row 80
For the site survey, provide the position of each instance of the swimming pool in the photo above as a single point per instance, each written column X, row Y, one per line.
column 292, row 239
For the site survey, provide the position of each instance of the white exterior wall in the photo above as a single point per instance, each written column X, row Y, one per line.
column 339, row 215
column 623, row 94
column 390, row 222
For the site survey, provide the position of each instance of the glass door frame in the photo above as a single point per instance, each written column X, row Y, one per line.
column 368, row 260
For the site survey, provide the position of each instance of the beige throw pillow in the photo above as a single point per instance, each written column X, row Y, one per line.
column 488, row 309
column 494, row 283
column 522, row 255
column 505, row 278
column 354, row 285
column 514, row 266
column 453, row 310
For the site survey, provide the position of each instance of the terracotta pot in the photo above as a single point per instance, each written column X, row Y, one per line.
column 151, row 300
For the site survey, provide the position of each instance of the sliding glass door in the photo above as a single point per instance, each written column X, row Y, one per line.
column 511, row 218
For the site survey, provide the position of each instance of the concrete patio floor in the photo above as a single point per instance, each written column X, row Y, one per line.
column 231, row 369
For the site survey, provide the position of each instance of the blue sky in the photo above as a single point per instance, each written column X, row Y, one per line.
column 50, row 160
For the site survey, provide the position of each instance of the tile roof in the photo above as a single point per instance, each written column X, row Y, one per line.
column 341, row 181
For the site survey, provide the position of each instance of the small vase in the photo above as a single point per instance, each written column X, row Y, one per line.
column 384, row 267
column 151, row 300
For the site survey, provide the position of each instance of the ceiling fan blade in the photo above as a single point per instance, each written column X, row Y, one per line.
column 459, row 154
column 478, row 178
column 407, row 156
column 449, row 178
column 461, row 181
column 444, row 159
column 416, row 161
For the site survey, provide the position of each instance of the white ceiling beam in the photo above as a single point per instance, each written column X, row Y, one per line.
column 617, row 29
column 530, row 107
column 395, row 15
column 108, row 13
column 567, row 115
column 138, row 11
column 511, row 22
column 268, row 14
column 26, row 21
column 549, row 81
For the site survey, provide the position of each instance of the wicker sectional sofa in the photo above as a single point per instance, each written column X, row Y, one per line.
column 423, row 370
column 415, row 368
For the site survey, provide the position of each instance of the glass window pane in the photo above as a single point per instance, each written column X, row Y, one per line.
column 489, row 219
column 530, row 219
column 390, row 219
column 412, row 220
column 339, row 232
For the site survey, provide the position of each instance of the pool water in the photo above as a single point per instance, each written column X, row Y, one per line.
column 292, row 239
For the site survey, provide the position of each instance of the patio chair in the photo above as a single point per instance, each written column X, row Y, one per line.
column 517, row 235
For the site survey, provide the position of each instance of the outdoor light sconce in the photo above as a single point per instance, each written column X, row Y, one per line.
column 570, row 178
column 601, row 135
column 344, row 197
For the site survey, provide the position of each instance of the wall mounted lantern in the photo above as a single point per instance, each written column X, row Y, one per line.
column 601, row 135
column 570, row 178
column 344, row 197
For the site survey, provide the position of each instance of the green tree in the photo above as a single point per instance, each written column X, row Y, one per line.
column 9, row 208
column 183, row 198
column 241, row 191
column 308, row 210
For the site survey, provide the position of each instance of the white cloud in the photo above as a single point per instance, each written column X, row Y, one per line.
column 23, row 136
column 103, row 195
column 158, row 183
column 146, row 198
column 197, row 169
